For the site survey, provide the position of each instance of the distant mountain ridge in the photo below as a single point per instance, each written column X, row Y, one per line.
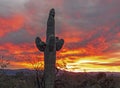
column 13, row 72
column 29, row 72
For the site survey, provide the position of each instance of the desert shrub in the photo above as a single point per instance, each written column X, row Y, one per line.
column 101, row 75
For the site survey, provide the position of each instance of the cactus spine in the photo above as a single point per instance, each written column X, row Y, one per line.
column 49, row 48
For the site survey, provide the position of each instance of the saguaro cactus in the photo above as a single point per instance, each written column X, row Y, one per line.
column 49, row 48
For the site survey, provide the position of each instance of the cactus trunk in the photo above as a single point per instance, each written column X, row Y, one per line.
column 50, row 53
column 49, row 66
column 49, row 48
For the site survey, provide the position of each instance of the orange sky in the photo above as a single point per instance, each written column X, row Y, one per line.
column 91, row 31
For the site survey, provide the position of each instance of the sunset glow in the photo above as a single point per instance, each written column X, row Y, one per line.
column 91, row 30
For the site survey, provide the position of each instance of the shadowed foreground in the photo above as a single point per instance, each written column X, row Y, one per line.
column 63, row 80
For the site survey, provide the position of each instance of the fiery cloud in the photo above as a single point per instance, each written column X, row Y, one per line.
column 10, row 25
column 90, row 28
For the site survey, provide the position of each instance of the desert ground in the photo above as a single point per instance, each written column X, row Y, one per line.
column 64, row 79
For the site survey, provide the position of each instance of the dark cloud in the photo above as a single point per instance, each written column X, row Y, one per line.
column 16, row 37
column 91, row 13
column 10, row 7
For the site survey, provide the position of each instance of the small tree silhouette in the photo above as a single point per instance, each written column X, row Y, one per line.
column 36, row 66
column 3, row 63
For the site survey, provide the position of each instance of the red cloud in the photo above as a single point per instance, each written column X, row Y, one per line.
column 12, row 24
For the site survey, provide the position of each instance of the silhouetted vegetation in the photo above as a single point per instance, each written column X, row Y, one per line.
column 63, row 80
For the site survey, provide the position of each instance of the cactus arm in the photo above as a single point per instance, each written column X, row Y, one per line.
column 40, row 44
column 59, row 43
